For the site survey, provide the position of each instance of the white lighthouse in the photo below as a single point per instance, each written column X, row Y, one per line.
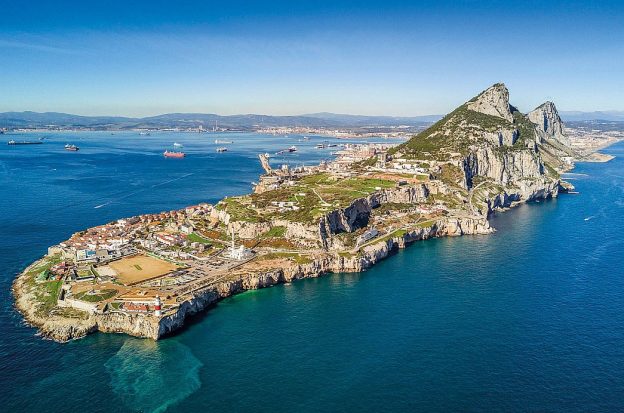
column 157, row 307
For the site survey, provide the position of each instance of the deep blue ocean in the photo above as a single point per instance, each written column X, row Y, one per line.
column 530, row 318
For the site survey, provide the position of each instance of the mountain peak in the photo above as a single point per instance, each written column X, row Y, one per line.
column 547, row 120
column 493, row 101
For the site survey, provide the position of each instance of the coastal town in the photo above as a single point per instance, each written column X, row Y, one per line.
column 150, row 264
column 143, row 275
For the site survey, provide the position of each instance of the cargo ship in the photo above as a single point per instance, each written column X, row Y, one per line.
column 173, row 154
column 287, row 150
column 71, row 148
column 12, row 142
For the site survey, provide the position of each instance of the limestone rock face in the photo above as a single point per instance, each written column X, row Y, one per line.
column 504, row 137
column 138, row 325
column 248, row 230
column 504, row 168
column 357, row 214
column 548, row 123
column 493, row 101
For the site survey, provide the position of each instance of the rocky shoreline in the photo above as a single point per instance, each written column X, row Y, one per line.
column 62, row 329
column 481, row 158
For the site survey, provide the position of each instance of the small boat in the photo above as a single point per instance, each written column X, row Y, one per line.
column 320, row 146
column 221, row 141
column 222, row 149
column 173, row 154
column 144, row 133
column 177, row 145
column 71, row 148
column 292, row 149
column 12, row 142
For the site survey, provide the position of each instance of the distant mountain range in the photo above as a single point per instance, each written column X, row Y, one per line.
column 609, row 115
column 245, row 122
column 208, row 121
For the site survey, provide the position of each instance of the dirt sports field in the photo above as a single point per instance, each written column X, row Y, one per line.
column 139, row 268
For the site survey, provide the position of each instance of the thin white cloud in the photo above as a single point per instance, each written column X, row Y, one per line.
column 17, row 44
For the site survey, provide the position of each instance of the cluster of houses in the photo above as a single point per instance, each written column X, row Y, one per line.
column 283, row 206
column 400, row 165
column 114, row 240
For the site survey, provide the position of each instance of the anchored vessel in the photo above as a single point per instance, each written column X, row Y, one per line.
column 173, row 154
column 287, row 150
column 71, row 148
column 154, row 270
column 12, row 142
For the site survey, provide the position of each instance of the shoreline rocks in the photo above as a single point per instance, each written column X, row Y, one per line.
column 63, row 329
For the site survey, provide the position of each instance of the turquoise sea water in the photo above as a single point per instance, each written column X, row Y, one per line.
column 528, row 319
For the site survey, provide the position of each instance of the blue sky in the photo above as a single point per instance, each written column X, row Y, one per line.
column 386, row 58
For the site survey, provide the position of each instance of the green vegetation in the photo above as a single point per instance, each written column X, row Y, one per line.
column 390, row 207
column 425, row 224
column 551, row 171
column 395, row 234
column 316, row 195
column 71, row 313
column 460, row 129
column 96, row 297
column 452, row 175
column 526, row 129
column 347, row 254
column 449, row 200
column 47, row 295
column 84, row 272
column 454, row 133
column 239, row 210
column 42, row 266
column 294, row 256
column 194, row 237
column 275, row 232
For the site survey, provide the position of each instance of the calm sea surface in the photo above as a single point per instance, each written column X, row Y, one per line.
column 528, row 319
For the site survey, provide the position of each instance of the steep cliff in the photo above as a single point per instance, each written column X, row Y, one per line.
column 552, row 142
column 504, row 168
column 548, row 123
column 321, row 264
column 508, row 156
column 482, row 157
column 493, row 101
column 358, row 213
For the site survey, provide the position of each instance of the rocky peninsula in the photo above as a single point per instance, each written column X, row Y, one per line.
column 146, row 274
